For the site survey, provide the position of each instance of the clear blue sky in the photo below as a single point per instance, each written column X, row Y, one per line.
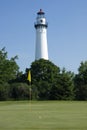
column 67, row 31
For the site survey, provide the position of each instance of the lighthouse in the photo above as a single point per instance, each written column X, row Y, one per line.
column 41, row 25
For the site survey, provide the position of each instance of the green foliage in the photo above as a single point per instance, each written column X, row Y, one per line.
column 47, row 81
column 8, row 71
column 4, row 91
column 68, row 84
column 63, row 89
column 81, row 82
column 44, row 70
column 19, row 91
column 44, row 73
column 50, row 82
column 8, row 68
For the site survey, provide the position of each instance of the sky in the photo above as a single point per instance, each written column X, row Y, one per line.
column 66, row 32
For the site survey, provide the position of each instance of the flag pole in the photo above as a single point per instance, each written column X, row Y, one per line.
column 30, row 92
column 29, row 81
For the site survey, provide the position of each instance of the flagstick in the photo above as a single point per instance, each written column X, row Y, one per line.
column 30, row 96
column 29, row 81
column 30, row 91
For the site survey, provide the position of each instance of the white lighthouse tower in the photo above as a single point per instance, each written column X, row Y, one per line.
column 41, row 36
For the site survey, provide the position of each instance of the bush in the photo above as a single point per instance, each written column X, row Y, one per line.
column 19, row 91
column 4, row 91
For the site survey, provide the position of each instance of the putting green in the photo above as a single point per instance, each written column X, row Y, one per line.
column 43, row 115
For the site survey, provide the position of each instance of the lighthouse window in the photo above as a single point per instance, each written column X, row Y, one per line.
column 41, row 20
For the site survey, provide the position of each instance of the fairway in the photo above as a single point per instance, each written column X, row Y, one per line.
column 43, row 115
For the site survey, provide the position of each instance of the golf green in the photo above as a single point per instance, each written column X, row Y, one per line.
column 43, row 115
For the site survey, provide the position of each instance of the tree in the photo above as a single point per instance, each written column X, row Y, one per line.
column 50, row 82
column 44, row 70
column 80, row 81
column 19, row 91
column 4, row 91
column 44, row 73
column 67, row 84
column 8, row 68
column 8, row 71
column 63, row 89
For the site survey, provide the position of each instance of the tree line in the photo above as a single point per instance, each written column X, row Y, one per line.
column 48, row 81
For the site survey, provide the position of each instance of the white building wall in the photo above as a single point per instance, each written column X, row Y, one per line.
column 41, row 44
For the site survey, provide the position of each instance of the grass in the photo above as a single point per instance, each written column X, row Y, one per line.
column 43, row 115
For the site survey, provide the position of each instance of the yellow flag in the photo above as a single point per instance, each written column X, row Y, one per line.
column 29, row 76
